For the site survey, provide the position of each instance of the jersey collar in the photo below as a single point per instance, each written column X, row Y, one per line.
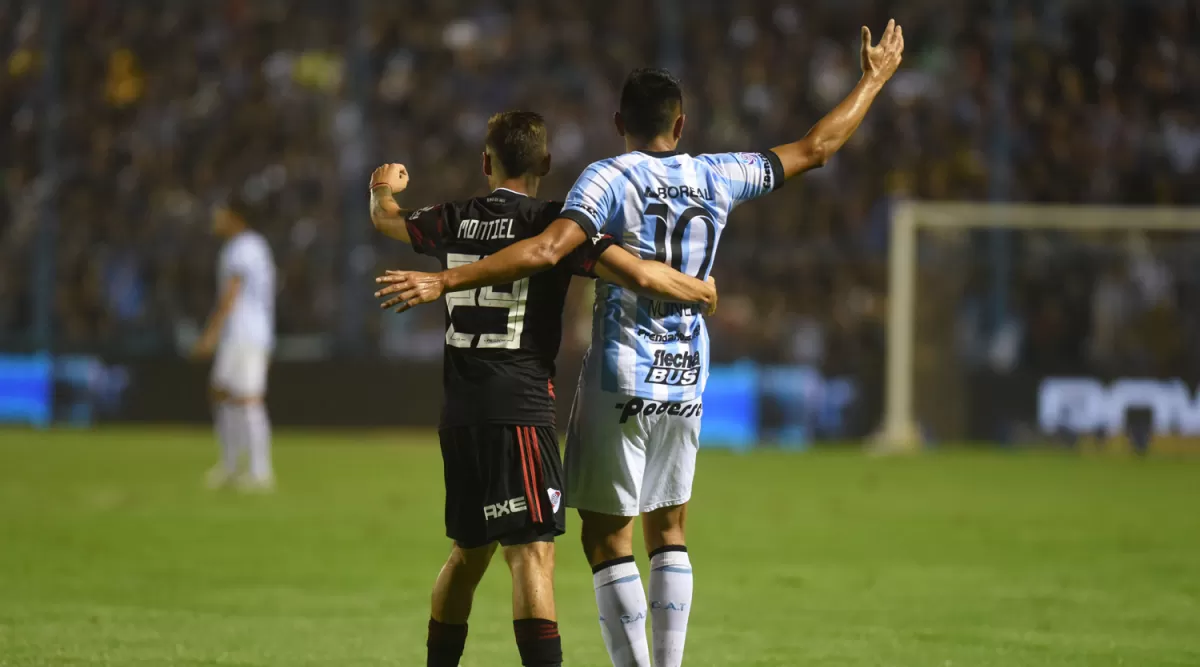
column 659, row 154
column 508, row 193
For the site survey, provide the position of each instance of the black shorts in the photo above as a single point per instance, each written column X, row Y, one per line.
column 503, row 483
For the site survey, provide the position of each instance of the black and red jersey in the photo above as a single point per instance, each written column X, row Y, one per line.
column 501, row 341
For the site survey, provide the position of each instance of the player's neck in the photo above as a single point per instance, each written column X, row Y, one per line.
column 662, row 144
column 525, row 186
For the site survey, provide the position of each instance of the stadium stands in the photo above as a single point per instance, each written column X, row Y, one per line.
column 173, row 107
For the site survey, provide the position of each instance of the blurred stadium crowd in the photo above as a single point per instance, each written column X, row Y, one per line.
column 166, row 107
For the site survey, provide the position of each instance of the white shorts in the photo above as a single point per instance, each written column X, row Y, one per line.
column 628, row 455
column 240, row 369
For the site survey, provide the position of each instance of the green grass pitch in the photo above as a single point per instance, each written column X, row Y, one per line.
column 112, row 553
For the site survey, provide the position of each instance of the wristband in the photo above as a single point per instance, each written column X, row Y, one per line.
column 380, row 185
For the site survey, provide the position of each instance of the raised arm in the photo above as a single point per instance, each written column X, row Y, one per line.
column 388, row 217
column 655, row 279
column 879, row 63
column 519, row 260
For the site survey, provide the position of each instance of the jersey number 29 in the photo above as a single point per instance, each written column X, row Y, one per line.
column 487, row 297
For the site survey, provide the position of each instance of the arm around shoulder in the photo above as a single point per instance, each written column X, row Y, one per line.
column 653, row 279
column 519, row 260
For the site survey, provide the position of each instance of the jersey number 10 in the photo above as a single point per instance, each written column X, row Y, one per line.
column 664, row 226
column 487, row 297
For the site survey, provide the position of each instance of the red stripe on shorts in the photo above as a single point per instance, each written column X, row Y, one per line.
column 531, row 443
column 529, row 497
column 537, row 453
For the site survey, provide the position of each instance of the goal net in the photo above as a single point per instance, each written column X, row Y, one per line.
column 1034, row 323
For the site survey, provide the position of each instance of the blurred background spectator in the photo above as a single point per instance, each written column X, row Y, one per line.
column 161, row 109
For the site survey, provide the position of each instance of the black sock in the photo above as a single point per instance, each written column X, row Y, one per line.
column 539, row 642
column 445, row 643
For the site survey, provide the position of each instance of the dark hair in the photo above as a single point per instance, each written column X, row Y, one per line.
column 650, row 101
column 518, row 140
column 238, row 204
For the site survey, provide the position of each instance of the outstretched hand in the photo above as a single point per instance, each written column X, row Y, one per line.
column 881, row 61
column 412, row 288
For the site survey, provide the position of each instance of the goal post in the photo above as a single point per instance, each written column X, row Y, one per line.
column 900, row 429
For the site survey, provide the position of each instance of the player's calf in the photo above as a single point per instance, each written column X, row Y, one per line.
column 535, row 624
column 605, row 537
column 532, row 568
column 665, row 526
column 453, row 594
column 455, row 587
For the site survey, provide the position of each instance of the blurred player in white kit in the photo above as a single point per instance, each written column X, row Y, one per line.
column 241, row 335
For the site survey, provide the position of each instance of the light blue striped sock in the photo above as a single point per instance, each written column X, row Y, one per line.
column 670, row 604
column 622, row 604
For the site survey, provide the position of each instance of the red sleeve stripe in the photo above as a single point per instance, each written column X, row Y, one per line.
column 414, row 232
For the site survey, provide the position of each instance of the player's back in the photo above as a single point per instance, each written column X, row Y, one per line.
column 501, row 341
column 671, row 207
column 247, row 256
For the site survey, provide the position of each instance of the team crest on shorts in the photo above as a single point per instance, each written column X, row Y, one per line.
column 555, row 498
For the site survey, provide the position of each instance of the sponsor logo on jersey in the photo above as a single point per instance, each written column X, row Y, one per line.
column 677, row 192
column 673, row 377
column 665, row 309
column 675, row 336
column 679, row 369
column 586, row 208
column 639, row 406
column 419, row 212
column 555, row 498
column 510, row 506
column 677, row 359
column 756, row 160
column 486, row 230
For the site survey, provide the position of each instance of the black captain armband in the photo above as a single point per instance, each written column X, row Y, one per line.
column 578, row 217
column 594, row 247
column 775, row 173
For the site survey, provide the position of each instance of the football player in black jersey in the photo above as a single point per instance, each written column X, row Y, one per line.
column 499, row 445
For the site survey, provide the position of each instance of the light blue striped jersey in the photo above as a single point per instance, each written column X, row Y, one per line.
column 670, row 207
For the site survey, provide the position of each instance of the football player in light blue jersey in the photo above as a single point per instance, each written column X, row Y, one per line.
column 635, row 426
